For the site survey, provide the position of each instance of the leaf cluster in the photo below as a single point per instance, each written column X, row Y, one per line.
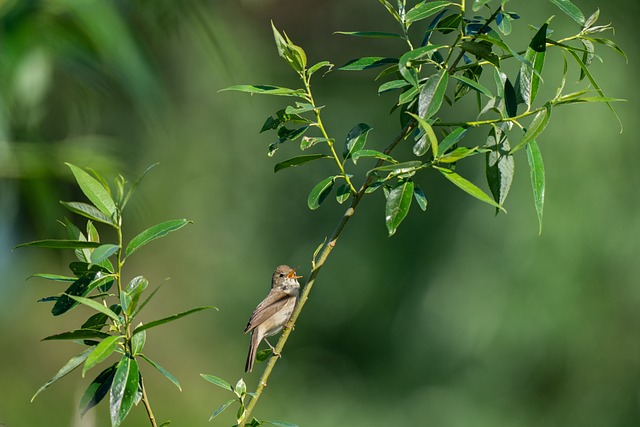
column 97, row 284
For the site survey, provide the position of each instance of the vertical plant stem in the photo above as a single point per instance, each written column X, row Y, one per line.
column 322, row 257
column 147, row 405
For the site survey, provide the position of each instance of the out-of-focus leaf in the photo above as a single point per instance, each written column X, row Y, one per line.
column 299, row 160
column 432, row 94
column 72, row 364
column 97, row 390
column 94, row 190
column 53, row 277
column 320, row 192
column 570, row 9
column 371, row 34
column 477, row 4
column 398, row 205
column 123, row 389
column 280, row 423
column 534, row 157
column 221, row 408
column 468, row 187
column 367, row 63
column 155, row 232
column 168, row 319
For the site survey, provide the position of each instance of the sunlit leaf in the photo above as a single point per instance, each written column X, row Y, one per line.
column 88, row 211
column 398, row 205
column 356, row 139
column 123, row 389
column 103, row 252
column 372, row 153
column 78, row 334
column 530, row 74
column 72, row 364
column 474, row 85
column 163, row 371
column 155, row 232
column 367, row 63
column 570, row 9
column 468, row 187
column 499, row 165
column 424, row 10
column 96, row 306
column 60, row 244
column 420, row 147
column 168, row 319
column 320, row 192
column 94, row 190
column 299, row 160
column 221, row 408
column 100, row 352
column 538, row 124
column 432, row 94
column 97, row 390
column 534, row 157
column 421, row 199
column 267, row 90
column 217, row 381
column 453, row 138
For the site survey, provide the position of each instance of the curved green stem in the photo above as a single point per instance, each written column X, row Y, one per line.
column 513, row 119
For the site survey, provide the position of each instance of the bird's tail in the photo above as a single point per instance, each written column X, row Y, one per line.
column 251, row 357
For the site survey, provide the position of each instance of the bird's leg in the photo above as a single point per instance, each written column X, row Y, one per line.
column 273, row 349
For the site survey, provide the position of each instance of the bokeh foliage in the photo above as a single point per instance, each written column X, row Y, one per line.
column 474, row 318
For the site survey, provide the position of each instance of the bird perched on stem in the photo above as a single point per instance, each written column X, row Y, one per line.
column 274, row 311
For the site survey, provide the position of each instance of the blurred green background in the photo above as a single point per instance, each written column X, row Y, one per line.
column 460, row 319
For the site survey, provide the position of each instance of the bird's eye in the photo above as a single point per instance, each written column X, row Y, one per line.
column 281, row 274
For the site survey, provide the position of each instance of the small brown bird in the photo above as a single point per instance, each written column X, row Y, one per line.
column 274, row 311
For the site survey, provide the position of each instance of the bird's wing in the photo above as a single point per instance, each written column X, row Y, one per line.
column 267, row 308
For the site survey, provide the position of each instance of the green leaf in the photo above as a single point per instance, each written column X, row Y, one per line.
column 163, row 371
column 481, row 50
column 391, row 10
column 400, row 168
column 78, row 334
column 510, row 99
column 474, row 85
column 222, row 407
column 267, row 90
column 60, row 244
column 391, row 85
column 318, row 66
column 310, row 141
column 398, row 204
column 141, row 306
column 370, row 34
column 477, row 4
column 499, row 165
column 88, row 211
column 94, row 190
column 123, row 389
column 293, row 54
column 129, row 193
column 371, row 153
column 570, row 9
column 320, row 192
column 72, row 364
column 103, row 252
column 453, row 138
column 538, row 124
column 100, row 352
column 299, row 160
column 608, row 43
column 457, row 154
column 405, row 66
column 367, row 63
column 155, row 232
column 421, row 199
column 240, row 388
column 97, row 390
column 534, row 157
column 432, row 94
column 65, row 302
column 134, row 289
column 53, row 277
column 424, row 10
column 97, row 307
column 342, row 193
column 420, row 148
column 356, row 139
column 168, row 319
column 137, row 343
column 217, row 381
column 529, row 81
column 468, row 187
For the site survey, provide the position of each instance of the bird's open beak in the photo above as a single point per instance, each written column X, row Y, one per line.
column 292, row 274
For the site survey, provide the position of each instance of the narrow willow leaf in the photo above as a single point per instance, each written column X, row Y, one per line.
column 146, row 301
column 477, row 4
column 570, row 9
column 280, row 423
column 534, row 157
column 88, row 211
column 310, row 141
column 60, row 244
column 421, row 199
column 217, row 381
column 424, row 10
column 530, row 74
column 65, row 302
column 500, row 165
column 84, row 268
column 320, row 192
column 97, row 390
column 293, row 54
column 370, row 34
column 608, row 43
column 100, row 352
column 155, row 232
column 103, row 252
column 432, row 94
column 221, row 408
column 94, row 190
column 468, row 187
column 372, row 153
column 78, row 334
column 400, row 168
column 356, row 139
column 97, row 307
column 458, row 154
column 453, row 138
column 481, row 51
column 123, row 390
column 318, row 66
column 72, row 364
column 538, row 124
column 398, row 205
column 267, row 90
column 510, row 99
column 391, row 10
column 474, row 85
column 420, row 147
column 408, row 95
column 367, row 63
column 53, row 277
column 391, row 85
column 168, row 319
column 163, row 371
column 594, row 84
column 137, row 342
column 405, row 67
column 299, row 160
